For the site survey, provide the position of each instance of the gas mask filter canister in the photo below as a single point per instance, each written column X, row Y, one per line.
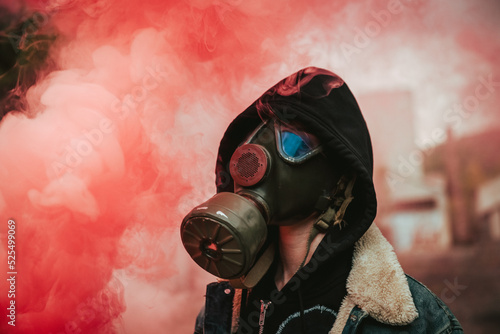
column 224, row 235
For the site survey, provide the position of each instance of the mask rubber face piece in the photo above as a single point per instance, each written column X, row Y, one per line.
column 294, row 178
column 249, row 163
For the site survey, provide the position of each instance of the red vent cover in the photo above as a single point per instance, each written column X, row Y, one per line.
column 248, row 164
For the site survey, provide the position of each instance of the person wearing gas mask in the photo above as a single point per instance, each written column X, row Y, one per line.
column 290, row 230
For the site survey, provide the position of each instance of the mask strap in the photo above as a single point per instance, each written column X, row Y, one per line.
column 342, row 202
column 257, row 272
column 342, row 197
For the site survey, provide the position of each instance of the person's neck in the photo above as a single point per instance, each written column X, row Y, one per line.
column 292, row 249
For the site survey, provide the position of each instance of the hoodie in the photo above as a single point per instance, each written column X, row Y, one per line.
column 323, row 104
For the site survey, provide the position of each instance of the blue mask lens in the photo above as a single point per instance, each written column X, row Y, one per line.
column 293, row 145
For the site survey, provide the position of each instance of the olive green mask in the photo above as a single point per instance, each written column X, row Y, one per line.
column 281, row 177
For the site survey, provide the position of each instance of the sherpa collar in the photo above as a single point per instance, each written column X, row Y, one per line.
column 376, row 284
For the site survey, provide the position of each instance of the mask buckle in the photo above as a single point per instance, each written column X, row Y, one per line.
column 334, row 215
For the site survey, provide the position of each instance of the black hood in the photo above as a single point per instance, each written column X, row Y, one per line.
column 324, row 105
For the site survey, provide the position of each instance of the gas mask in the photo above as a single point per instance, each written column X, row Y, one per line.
column 281, row 177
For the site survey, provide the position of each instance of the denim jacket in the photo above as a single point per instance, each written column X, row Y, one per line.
column 380, row 298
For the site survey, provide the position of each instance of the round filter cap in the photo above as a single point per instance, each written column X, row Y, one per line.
column 248, row 164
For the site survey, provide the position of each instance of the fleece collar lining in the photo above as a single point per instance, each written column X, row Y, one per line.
column 376, row 284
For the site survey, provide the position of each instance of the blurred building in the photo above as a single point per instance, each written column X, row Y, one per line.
column 412, row 206
column 447, row 195
column 488, row 209
column 471, row 165
column 418, row 217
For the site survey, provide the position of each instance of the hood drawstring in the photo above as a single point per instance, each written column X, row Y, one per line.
column 302, row 319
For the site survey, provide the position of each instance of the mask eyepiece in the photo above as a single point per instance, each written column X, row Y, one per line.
column 294, row 145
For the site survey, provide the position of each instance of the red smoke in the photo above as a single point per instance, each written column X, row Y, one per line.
column 118, row 142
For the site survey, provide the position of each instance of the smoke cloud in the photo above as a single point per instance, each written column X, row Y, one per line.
column 117, row 133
